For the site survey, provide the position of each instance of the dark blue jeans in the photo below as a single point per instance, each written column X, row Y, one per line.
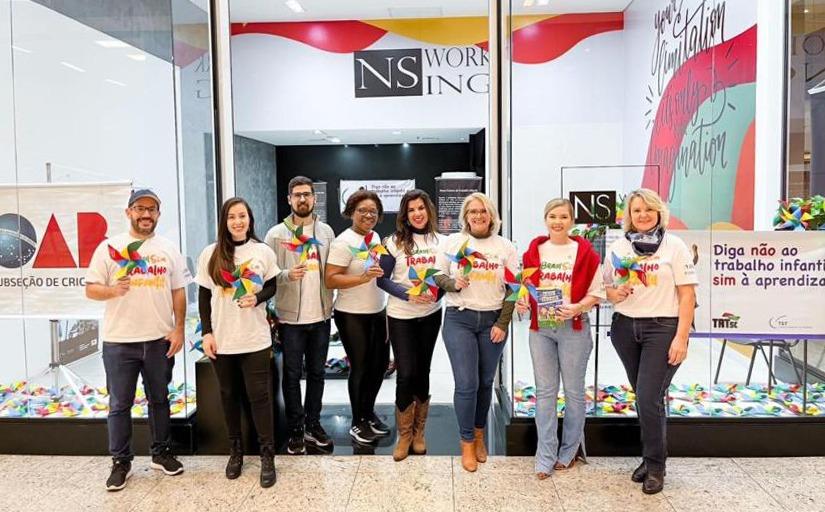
column 123, row 363
column 642, row 344
column 304, row 344
column 474, row 359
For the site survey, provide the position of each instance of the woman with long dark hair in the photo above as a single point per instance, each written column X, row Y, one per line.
column 413, row 314
column 236, row 277
column 352, row 268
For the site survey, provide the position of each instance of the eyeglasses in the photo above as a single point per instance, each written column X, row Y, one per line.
column 303, row 195
column 366, row 212
column 151, row 210
column 476, row 212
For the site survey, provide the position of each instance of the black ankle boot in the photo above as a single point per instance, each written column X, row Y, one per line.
column 639, row 473
column 654, row 482
column 235, row 463
column 268, row 475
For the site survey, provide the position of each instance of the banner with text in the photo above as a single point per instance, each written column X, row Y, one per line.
column 759, row 285
column 389, row 191
column 48, row 233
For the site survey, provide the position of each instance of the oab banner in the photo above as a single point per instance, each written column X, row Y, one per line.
column 48, row 233
column 755, row 284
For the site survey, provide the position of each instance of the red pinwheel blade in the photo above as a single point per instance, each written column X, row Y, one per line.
column 115, row 254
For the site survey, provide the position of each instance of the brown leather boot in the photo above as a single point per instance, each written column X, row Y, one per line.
column 480, row 447
column 468, row 456
column 404, row 422
column 419, row 444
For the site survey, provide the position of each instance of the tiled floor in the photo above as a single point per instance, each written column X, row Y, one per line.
column 430, row 483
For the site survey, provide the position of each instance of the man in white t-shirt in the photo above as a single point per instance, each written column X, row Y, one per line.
column 142, row 278
column 304, row 307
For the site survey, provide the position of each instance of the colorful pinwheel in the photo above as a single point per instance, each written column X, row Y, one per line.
column 369, row 252
column 465, row 257
column 197, row 345
column 423, row 280
column 128, row 259
column 627, row 268
column 520, row 284
column 301, row 243
column 792, row 218
column 242, row 279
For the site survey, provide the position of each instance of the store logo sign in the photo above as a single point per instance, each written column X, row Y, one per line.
column 380, row 73
column 594, row 207
column 726, row 321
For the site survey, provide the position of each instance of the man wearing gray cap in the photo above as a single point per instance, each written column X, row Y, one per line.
column 142, row 278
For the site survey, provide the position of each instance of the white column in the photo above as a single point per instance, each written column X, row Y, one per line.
column 222, row 76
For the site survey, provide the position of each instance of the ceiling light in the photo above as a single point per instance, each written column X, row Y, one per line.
column 72, row 66
column 112, row 43
column 396, row 132
column 140, row 57
column 544, row 2
column 115, row 82
column 294, row 5
column 334, row 140
column 529, row 3
column 318, row 132
column 20, row 49
column 406, row 144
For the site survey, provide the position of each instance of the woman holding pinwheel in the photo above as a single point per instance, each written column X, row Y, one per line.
column 414, row 314
column 650, row 278
column 236, row 277
column 352, row 268
column 472, row 264
column 561, row 273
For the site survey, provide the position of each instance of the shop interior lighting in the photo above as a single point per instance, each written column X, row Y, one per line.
column 397, row 132
column 544, row 2
column 140, row 57
column 112, row 43
column 529, row 3
column 115, row 82
column 334, row 140
column 295, row 6
column 318, row 132
column 72, row 66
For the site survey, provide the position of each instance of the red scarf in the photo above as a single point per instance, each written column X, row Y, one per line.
column 584, row 268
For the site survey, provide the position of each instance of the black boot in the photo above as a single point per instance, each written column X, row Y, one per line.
column 268, row 476
column 639, row 473
column 235, row 463
column 654, row 482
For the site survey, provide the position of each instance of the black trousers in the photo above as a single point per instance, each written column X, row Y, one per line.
column 364, row 337
column 642, row 344
column 413, row 342
column 304, row 344
column 249, row 373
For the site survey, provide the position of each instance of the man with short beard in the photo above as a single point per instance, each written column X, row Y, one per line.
column 304, row 308
column 142, row 278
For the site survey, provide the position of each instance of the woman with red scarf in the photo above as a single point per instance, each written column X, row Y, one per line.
column 568, row 285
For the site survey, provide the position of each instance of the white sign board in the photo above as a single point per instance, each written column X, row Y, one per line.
column 389, row 191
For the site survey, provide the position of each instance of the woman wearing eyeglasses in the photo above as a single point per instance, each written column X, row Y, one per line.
column 472, row 264
column 352, row 268
column 651, row 279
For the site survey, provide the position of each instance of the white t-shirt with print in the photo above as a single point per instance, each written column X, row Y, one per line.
column 145, row 312
column 671, row 266
column 239, row 330
column 487, row 287
column 423, row 257
column 556, row 270
column 310, row 307
column 365, row 298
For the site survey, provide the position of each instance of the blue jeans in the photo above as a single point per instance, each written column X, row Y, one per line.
column 559, row 352
column 304, row 344
column 474, row 359
column 123, row 363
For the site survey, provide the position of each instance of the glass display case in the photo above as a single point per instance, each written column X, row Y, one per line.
column 92, row 106
column 669, row 97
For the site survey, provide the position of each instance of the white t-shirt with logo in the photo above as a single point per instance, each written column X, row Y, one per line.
column 423, row 257
column 310, row 307
column 672, row 265
column 556, row 270
column 145, row 312
column 365, row 298
column 239, row 330
column 487, row 286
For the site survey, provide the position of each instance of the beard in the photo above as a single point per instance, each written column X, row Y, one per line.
column 144, row 231
column 303, row 211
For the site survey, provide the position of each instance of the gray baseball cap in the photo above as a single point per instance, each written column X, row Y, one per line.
column 143, row 192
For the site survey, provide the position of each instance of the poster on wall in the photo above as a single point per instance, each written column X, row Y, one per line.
column 765, row 287
column 449, row 194
column 48, row 233
column 321, row 200
column 81, row 339
column 389, row 191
